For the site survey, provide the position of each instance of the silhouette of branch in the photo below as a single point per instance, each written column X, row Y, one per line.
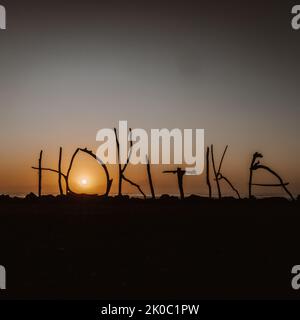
column 40, row 173
column 59, row 172
column 135, row 185
column 269, row 185
column 207, row 172
column 221, row 162
column 257, row 166
column 119, row 164
column 220, row 177
column 69, row 171
column 122, row 170
column 180, row 173
column 130, row 151
column 150, row 178
column 255, row 156
column 51, row 170
column 215, row 171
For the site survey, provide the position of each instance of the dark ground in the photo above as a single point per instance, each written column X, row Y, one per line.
column 92, row 248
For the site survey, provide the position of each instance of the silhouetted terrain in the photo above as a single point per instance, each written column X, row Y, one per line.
column 126, row 248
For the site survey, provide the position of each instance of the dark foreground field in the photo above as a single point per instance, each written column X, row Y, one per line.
column 90, row 248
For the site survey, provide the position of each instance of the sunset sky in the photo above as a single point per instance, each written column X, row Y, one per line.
column 70, row 68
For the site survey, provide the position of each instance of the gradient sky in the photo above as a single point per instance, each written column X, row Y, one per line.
column 70, row 68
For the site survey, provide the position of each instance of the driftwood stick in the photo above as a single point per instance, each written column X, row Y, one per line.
column 59, row 172
column 122, row 169
column 150, row 178
column 130, row 151
column 119, row 164
column 215, row 171
column 135, row 185
column 282, row 184
column 255, row 156
column 220, row 177
column 40, row 173
column 207, row 173
column 69, row 191
column 221, row 162
column 51, row 170
column 269, row 185
column 255, row 165
column 180, row 173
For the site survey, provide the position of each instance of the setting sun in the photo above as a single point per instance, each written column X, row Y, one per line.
column 83, row 182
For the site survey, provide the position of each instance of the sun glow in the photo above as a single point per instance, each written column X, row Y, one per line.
column 84, row 182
